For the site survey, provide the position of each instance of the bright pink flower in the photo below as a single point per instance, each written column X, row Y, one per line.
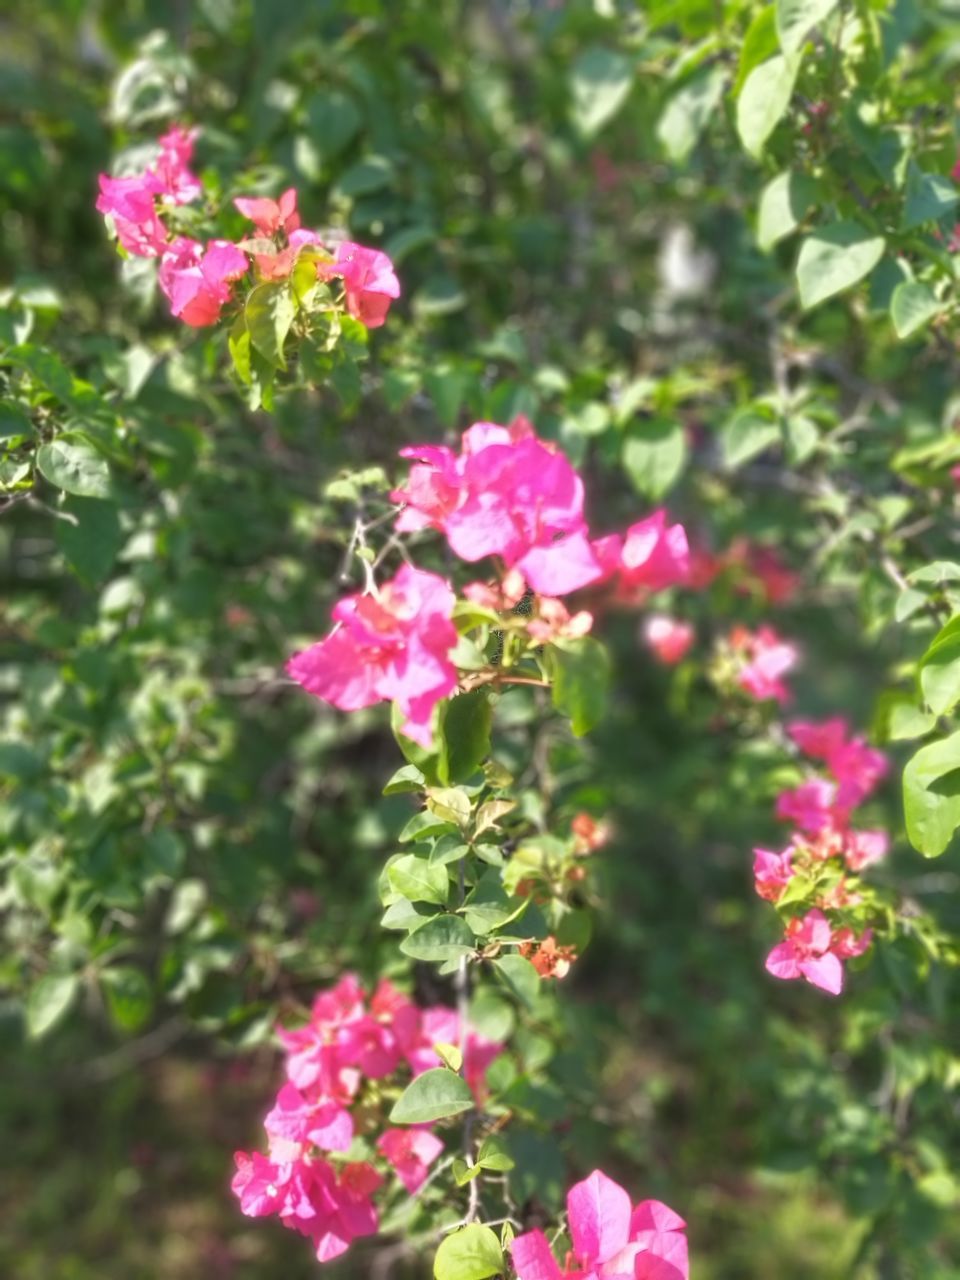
column 846, row 944
column 349, row 1211
column 654, row 555
column 554, row 622
column 130, row 203
column 289, row 1188
column 270, row 216
column 772, row 872
column 819, row 739
column 175, row 183
column 764, row 658
column 669, row 638
column 864, row 848
column 411, row 1152
column 806, row 953
column 811, row 805
column 196, row 279
column 393, row 646
column 369, row 280
column 859, row 770
column 608, row 1240
column 294, row 1119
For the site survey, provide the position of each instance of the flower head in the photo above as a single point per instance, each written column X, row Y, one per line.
column 806, row 952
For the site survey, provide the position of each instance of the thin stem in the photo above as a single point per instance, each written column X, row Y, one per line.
column 462, row 987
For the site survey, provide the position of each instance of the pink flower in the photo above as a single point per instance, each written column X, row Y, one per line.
column 772, row 872
column 393, row 646
column 554, row 622
column 847, row 945
column 806, row 953
column 270, row 216
column 369, row 280
column 130, row 203
column 325, row 1123
column 411, row 1152
column 669, row 639
column 864, row 848
column 857, row 768
column 195, row 279
column 608, row 1239
column 819, row 739
column 764, row 659
column 175, row 183
column 654, row 555
column 810, row 806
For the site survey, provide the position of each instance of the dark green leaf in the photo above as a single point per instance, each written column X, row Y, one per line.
column 434, row 1095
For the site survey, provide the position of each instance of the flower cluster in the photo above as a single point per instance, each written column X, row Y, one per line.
column 324, row 1111
column 508, row 496
column 759, row 660
column 609, row 1238
column 198, row 278
column 825, row 854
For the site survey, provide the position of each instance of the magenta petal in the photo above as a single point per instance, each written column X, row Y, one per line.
column 665, row 1258
column 782, row 962
column 533, row 1259
column 654, row 1215
column 825, row 972
column 599, row 1214
column 562, row 567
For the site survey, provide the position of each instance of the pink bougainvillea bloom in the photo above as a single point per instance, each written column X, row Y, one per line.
column 857, row 767
column 806, row 953
column 369, row 280
column 772, row 872
column 669, row 638
column 348, row 1210
column 819, row 739
column 562, row 566
column 130, row 203
column 865, row 848
column 196, row 278
column 411, row 1152
column 554, row 622
column 609, row 1241
column 294, row 1119
column 847, row 945
column 175, row 183
column 765, row 658
column 655, row 555
column 270, row 216
column 393, row 646
column 778, row 584
column 810, row 806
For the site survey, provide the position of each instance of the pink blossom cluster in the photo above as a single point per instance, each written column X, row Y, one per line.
column 198, row 278
column 761, row 659
column 756, row 569
column 510, row 495
column 821, row 809
column 669, row 639
column 306, row 1178
column 609, row 1238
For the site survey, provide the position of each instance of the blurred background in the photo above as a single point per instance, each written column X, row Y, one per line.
column 202, row 844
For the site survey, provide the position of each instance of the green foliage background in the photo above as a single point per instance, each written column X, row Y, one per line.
column 571, row 193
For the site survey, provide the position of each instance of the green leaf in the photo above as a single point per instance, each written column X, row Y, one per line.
column 931, row 796
column 434, row 1095
column 449, row 1055
column 472, row 1253
column 581, row 682
column 929, row 197
column 494, row 1156
column 795, row 19
column 759, row 44
column 688, row 111
column 49, row 999
column 940, row 670
column 834, row 258
column 71, row 463
column 128, row 996
column 406, row 779
column 654, row 454
column 600, row 82
column 905, row 721
column 91, row 539
column 450, row 804
column 763, row 100
column 912, row 305
column 784, row 203
column 520, row 976
column 488, row 907
column 745, row 435
column 334, row 121
column 269, row 313
column 419, row 880
column 464, row 736
column 443, row 938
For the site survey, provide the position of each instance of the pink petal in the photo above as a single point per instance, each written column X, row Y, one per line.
column 533, row 1259
column 564, row 566
column 654, row 1215
column 782, row 962
column 825, row 972
column 599, row 1213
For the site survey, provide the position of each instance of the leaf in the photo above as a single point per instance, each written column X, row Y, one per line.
column 932, row 816
column 795, row 19
column 464, row 735
column 445, row 937
column 71, row 463
column 406, row 779
column 450, row 804
column 581, row 682
column 940, row 670
column 654, row 455
column 833, row 259
column 929, row 197
column 434, row 1095
column 748, row 433
column 520, row 976
column 49, row 999
column 91, row 545
column 600, row 82
column 419, row 880
column 759, row 43
column 784, row 203
column 494, row 1156
column 472, row 1253
column 912, row 305
column 763, row 100
column 269, row 313
column 128, row 996
column 488, row 907
column 688, row 111
column 334, row 121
